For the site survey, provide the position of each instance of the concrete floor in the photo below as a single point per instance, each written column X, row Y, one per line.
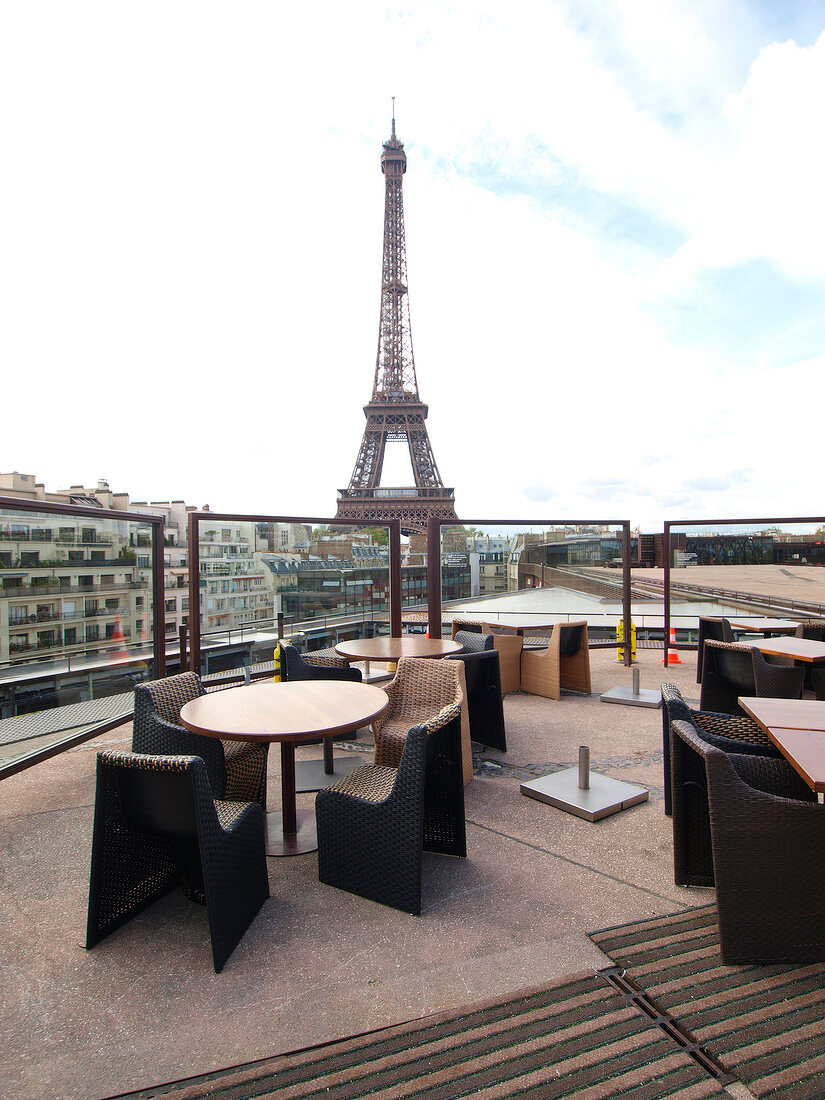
column 145, row 1007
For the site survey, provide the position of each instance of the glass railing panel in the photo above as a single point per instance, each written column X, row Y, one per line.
column 77, row 611
column 533, row 575
column 312, row 582
column 746, row 571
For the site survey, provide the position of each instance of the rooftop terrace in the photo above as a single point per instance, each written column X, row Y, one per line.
column 145, row 1008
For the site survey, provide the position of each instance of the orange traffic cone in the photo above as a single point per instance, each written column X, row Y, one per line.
column 120, row 653
column 673, row 657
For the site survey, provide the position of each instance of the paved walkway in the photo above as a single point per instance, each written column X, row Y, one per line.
column 145, row 1008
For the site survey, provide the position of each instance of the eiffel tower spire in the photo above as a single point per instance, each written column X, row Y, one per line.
column 395, row 412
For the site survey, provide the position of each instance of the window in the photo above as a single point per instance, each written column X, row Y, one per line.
column 184, row 603
column 171, row 628
column 86, row 581
column 171, row 606
column 107, row 579
column 70, row 635
column 92, row 632
column 76, row 555
column 29, row 558
column 97, row 555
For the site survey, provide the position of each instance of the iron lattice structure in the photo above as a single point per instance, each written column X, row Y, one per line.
column 395, row 413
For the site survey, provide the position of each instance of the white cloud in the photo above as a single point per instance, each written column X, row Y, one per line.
column 191, row 247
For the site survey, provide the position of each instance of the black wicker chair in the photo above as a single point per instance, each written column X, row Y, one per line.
column 375, row 823
column 317, row 666
column 727, row 673
column 685, row 784
column 814, row 629
column 156, row 826
column 768, row 857
column 236, row 769
column 474, row 642
column 714, row 629
column 777, row 681
column 484, row 700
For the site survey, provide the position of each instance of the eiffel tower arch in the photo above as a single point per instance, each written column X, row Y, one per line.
column 395, row 412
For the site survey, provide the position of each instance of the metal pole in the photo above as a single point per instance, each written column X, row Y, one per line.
column 584, row 768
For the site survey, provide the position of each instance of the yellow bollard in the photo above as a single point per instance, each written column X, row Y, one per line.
column 620, row 638
column 277, row 656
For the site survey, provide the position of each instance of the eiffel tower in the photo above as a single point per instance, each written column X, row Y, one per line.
column 395, row 412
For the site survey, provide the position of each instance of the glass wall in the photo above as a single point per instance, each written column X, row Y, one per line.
column 77, row 618
column 743, row 570
column 315, row 582
column 532, row 574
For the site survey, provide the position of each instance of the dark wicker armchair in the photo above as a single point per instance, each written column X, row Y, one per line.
column 777, row 681
column 374, row 825
column 768, row 857
column 236, row 769
column 156, row 826
column 314, row 775
column 482, row 680
column 727, row 673
column 713, row 629
column 685, row 783
column 474, row 642
column 730, row 732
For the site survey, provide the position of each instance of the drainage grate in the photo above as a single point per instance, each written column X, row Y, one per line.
column 616, row 977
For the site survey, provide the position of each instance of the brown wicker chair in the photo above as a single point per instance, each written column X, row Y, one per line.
column 420, row 689
column 236, row 769
column 375, row 823
column 565, row 663
column 157, row 826
column 768, row 857
column 714, row 629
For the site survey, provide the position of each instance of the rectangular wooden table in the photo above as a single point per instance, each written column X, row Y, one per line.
column 797, row 728
column 801, row 649
column 765, row 626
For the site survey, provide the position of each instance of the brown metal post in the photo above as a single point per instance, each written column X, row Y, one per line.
column 193, row 537
column 182, row 647
column 666, row 592
column 395, row 578
column 159, row 614
column 434, row 578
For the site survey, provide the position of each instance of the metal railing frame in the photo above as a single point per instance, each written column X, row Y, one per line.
column 667, row 549
column 194, row 519
column 158, row 610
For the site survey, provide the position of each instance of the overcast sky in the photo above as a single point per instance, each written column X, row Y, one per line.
column 615, row 243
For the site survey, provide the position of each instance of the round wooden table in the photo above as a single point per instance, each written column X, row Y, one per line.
column 390, row 649
column 290, row 713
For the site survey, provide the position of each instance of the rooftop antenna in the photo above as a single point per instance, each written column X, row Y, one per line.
column 393, row 116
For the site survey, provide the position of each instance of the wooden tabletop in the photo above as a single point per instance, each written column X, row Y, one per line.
column 801, row 649
column 521, row 628
column 393, row 648
column 300, row 710
column 765, row 626
column 785, row 713
column 797, row 728
column 805, row 750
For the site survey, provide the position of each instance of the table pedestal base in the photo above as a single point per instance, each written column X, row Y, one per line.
column 304, row 839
